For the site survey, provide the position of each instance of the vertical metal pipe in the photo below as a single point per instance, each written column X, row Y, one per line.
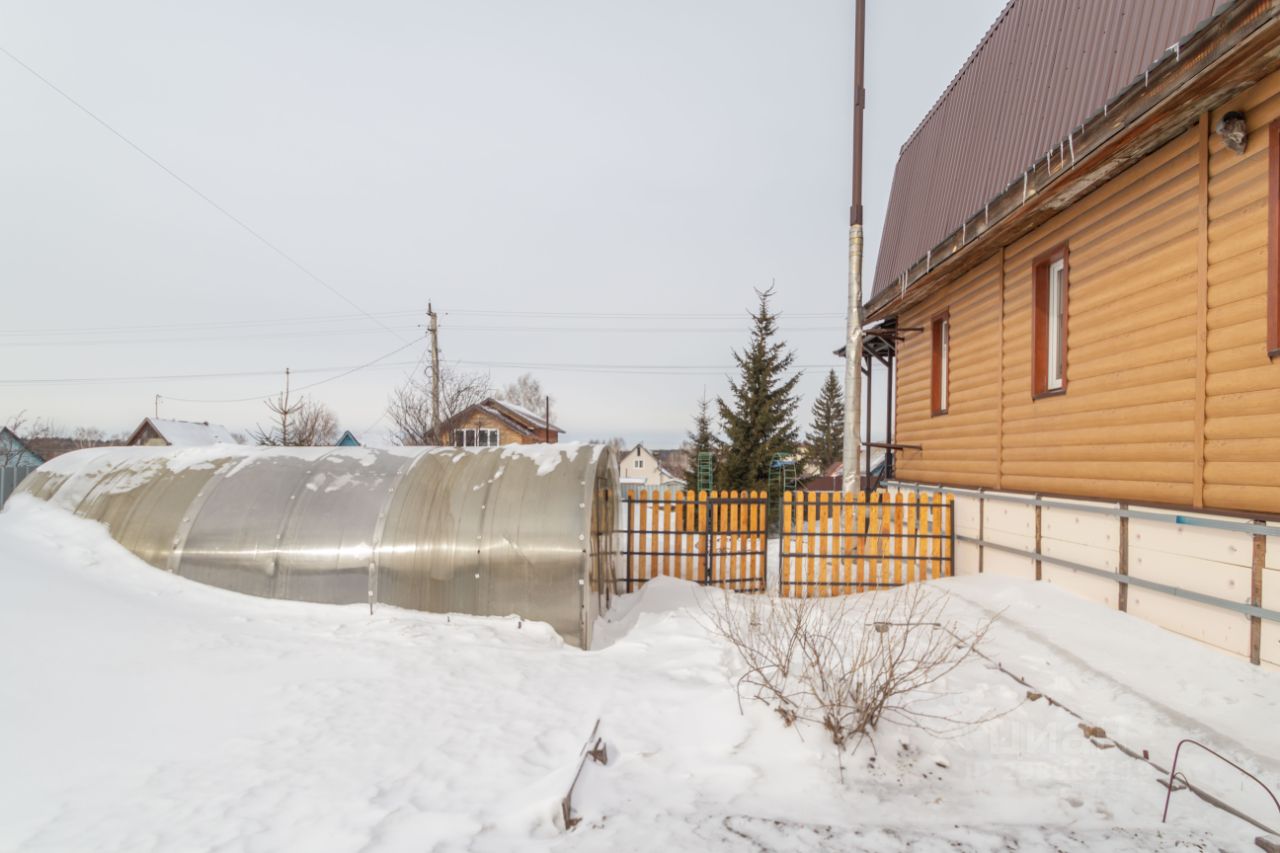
column 630, row 509
column 888, row 409
column 870, row 384
column 853, row 343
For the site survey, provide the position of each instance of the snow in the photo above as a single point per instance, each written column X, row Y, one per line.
column 549, row 456
column 141, row 712
column 538, row 420
column 191, row 433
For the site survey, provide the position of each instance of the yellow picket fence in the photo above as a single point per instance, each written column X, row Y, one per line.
column 714, row 538
column 834, row 543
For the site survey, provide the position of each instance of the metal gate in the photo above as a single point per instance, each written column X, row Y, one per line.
column 834, row 543
column 712, row 538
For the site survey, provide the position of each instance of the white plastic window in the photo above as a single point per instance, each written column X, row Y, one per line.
column 1057, row 326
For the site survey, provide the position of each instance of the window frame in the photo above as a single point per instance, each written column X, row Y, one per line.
column 1040, row 289
column 940, row 363
column 1273, row 241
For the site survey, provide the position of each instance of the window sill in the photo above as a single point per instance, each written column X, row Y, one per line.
column 1056, row 392
column 936, row 413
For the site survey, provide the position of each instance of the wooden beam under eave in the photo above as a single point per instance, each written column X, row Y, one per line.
column 1202, row 312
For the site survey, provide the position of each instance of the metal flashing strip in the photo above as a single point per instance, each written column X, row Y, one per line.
column 1177, row 592
column 1178, row 518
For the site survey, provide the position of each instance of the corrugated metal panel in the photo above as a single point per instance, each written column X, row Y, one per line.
column 1042, row 69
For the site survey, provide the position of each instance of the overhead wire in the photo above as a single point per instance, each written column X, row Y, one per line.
column 346, row 372
column 184, row 182
column 641, row 369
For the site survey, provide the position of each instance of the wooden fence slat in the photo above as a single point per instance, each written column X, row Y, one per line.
column 784, row 562
column 811, row 521
column 949, row 520
column 877, row 542
column 700, row 572
column 735, row 524
column 727, row 525
column 762, row 559
column 897, row 540
column 848, row 545
column 825, row 544
column 939, row 545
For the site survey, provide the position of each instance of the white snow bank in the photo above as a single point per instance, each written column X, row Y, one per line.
column 140, row 712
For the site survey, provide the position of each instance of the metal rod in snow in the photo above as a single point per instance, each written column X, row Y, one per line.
column 853, row 343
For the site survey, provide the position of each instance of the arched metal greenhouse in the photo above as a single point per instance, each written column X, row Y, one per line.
column 493, row 531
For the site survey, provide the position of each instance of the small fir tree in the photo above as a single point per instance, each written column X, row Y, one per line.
column 700, row 440
column 825, row 439
column 759, row 418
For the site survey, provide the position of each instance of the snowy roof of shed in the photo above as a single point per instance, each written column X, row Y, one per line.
column 186, row 433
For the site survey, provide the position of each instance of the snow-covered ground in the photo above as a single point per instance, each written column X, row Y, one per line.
column 142, row 712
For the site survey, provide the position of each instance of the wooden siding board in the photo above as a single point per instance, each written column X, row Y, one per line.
column 1171, row 396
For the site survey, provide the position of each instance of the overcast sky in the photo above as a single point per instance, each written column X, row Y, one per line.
column 586, row 190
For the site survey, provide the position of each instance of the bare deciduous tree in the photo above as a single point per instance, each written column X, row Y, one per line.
column 848, row 664
column 25, row 429
column 410, row 408
column 527, row 393
column 88, row 437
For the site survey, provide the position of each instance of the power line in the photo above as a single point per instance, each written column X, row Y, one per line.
column 329, row 333
column 336, row 376
column 635, row 316
column 337, row 318
column 136, row 147
column 639, row 369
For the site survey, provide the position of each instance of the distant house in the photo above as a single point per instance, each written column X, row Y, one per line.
column 348, row 440
column 832, row 479
column 493, row 422
column 639, row 467
column 158, row 432
column 17, row 460
column 676, row 461
column 16, row 453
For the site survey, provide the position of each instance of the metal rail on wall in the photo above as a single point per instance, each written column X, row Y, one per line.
column 1254, row 611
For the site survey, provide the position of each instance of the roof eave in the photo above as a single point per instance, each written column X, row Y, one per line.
column 1232, row 51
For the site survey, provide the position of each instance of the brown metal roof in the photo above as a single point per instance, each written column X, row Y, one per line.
column 1042, row 68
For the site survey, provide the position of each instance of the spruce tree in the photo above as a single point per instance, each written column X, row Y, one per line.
column 825, row 439
column 701, row 440
column 759, row 419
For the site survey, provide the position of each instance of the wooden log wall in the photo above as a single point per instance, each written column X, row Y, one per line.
column 1171, row 397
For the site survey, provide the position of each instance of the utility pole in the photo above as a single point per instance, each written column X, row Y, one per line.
column 157, row 407
column 284, row 417
column 546, row 426
column 434, row 330
column 853, row 342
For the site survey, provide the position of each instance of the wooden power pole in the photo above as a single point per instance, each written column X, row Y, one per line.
column 853, row 342
column 433, row 329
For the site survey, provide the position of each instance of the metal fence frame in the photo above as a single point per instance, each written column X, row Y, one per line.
column 712, row 537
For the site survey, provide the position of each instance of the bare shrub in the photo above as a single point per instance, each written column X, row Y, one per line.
column 850, row 663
